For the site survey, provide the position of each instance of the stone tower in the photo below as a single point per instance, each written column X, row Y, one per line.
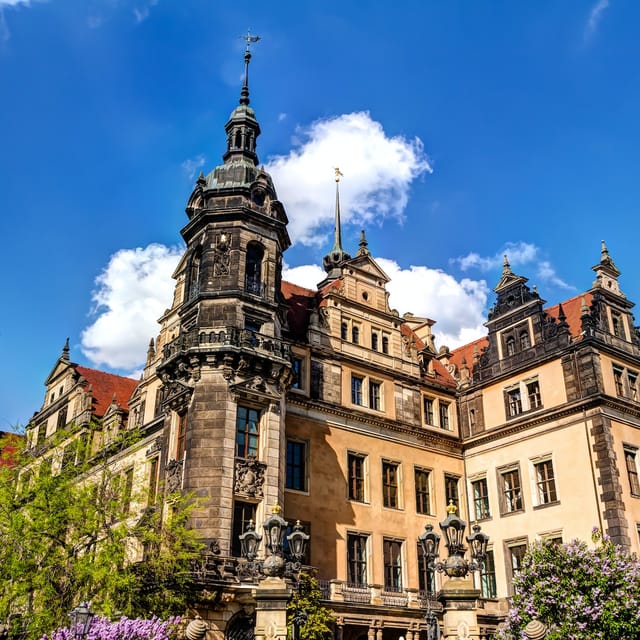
column 224, row 366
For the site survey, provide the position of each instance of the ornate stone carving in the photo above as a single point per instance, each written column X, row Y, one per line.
column 249, row 478
column 156, row 446
column 221, row 255
column 173, row 473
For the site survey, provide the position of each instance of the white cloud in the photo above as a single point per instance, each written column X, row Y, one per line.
column 191, row 165
column 518, row 254
column 14, row 3
column 595, row 16
column 378, row 171
column 131, row 293
column 141, row 13
column 458, row 307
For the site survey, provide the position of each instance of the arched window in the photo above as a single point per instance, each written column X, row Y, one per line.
column 355, row 334
column 253, row 270
column 525, row 343
column 193, row 281
column 238, row 141
column 344, row 328
column 385, row 344
column 511, row 345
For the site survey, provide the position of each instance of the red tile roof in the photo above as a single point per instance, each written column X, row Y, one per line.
column 466, row 352
column 301, row 303
column 104, row 386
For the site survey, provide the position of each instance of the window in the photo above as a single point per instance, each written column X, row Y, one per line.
column 617, row 325
column 344, row 330
column 480, row 499
column 444, row 414
column 181, row 436
column 545, row 482
column 357, row 559
column 525, row 343
column 533, row 394
column 355, row 334
column 253, row 270
column 154, row 465
column 193, row 284
column 42, row 433
column 511, row 345
column 488, row 577
column 356, row 389
column 632, row 470
column 247, row 421
column 428, row 410
column 425, row 577
column 296, row 474
column 297, row 369
column 69, row 455
column 451, row 491
column 626, row 382
column 374, row 340
column 516, row 556
column 356, row 469
column 514, row 402
column 511, row 490
column 390, row 485
column 385, row 344
column 243, row 514
column 423, row 492
column 391, row 551
column 374, row 395
column 127, row 490
column 62, row 418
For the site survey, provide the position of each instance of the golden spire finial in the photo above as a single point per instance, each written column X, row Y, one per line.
column 451, row 508
column 338, row 173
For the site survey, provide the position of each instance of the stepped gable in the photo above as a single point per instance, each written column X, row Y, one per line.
column 301, row 303
column 104, row 386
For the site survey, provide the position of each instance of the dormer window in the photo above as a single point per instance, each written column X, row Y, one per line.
column 525, row 342
column 510, row 344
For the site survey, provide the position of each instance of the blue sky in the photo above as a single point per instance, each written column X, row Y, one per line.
column 464, row 129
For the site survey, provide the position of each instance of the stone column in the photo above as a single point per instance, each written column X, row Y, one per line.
column 272, row 596
column 459, row 600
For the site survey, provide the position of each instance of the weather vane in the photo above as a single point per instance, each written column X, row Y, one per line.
column 249, row 39
column 338, row 173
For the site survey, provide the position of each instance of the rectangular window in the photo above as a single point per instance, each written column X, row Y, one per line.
column 181, row 435
column 428, row 410
column 515, row 553
column 514, row 402
column 618, row 325
column 390, row 485
column 451, row 491
column 533, row 394
column 42, row 433
column 127, row 490
column 243, row 513
column 157, row 405
column 632, row 470
column 423, row 493
column 62, row 418
column 296, row 476
column 632, row 379
column 444, row 414
column 480, row 499
column 488, row 577
column 392, row 557
column 247, row 431
column 69, row 455
column 356, row 464
column 374, row 395
column 425, row 576
column 356, row 389
column 357, row 559
column 618, row 379
column 511, row 491
column 297, row 370
column 154, row 465
column 545, row 482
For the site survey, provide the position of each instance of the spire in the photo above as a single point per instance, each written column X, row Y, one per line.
column 363, row 244
column 506, row 267
column 606, row 272
column 65, row 350
column 337, row 255
column 242, row 127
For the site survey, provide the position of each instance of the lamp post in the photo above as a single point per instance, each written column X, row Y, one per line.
column 455, row 565
column 81, row 618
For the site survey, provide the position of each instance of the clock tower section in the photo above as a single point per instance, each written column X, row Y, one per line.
column 222, row 361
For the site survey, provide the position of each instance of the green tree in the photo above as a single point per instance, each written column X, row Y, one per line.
column 70, row 535
column 305, row 608
column 580, row 593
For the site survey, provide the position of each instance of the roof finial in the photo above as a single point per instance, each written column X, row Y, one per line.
column 65, row 350
column 604, row 252
column 249, row 39
column 363, row 244
column 506, row 267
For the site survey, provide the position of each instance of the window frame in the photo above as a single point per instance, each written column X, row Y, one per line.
column 546, row 490
column 357, row 474
column 511, row 497
column 631, row 466
column 488, row 585
column 391, row 484
column 357, row 559
column 452, row 480
column 481, row 505
column 392, row 554
column 422, row 491
column 297, row 472
column 250, row 440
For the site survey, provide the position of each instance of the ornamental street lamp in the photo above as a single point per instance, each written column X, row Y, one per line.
column 81, row 618
column 456, row 565
column 280, row 560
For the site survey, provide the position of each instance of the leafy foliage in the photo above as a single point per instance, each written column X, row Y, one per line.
column 305, row 606
column 124, row 629
column 75, row 532
column 579, row 592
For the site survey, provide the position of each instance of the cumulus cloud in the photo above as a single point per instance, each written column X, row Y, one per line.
column 595, row 16
column 458, row 306
column 141, row 12
column 518, row 254
column 131, row 293
column 378, row 170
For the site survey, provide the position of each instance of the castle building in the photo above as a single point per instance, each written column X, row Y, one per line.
column 259, row 392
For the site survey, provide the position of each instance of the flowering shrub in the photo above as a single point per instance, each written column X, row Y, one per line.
column 123, row 629
column 579, row 592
